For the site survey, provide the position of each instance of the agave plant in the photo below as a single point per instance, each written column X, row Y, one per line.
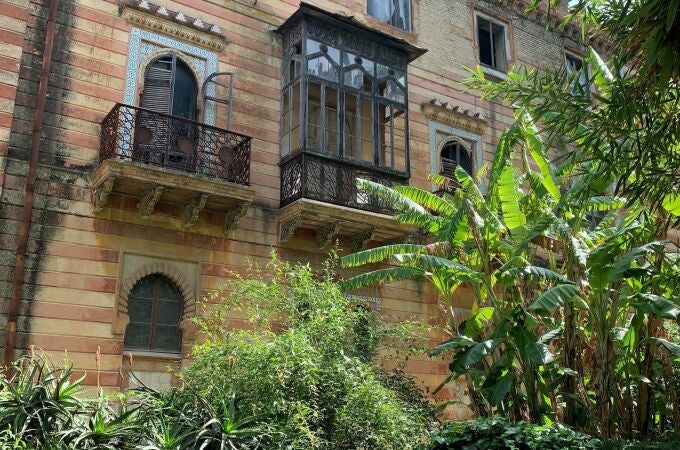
column 38, row 402
column 548, row 288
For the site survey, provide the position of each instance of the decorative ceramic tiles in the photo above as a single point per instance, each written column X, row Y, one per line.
column 144, row 42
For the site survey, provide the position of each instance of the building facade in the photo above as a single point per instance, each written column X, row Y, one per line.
column 150, row 150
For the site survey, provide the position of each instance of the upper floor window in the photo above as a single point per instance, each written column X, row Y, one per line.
column 491, row 39
column 170, row 88
column 340, row 102
column 394, row 12
column 577, row 70
column 454, row 154
column 155, row 311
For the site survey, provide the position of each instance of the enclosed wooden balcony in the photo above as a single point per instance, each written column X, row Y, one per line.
column 163, row 158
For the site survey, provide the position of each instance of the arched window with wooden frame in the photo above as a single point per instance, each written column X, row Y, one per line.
column 154, row 307
column 168, row 139
column 453, row 154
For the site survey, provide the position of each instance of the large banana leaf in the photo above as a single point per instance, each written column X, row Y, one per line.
column 535, row 272
column 536, row 148
column 555, row 297
column 382, row 276
column 513, row 216
column 426, row 199
column 389, row 194
column 380, row 254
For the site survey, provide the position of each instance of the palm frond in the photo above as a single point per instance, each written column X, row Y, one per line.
column 382, row 276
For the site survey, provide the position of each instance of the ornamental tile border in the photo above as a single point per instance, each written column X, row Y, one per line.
column 145, row 42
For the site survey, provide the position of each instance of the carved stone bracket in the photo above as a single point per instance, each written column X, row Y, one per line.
column 193, row 209
column 417, row 237
column 324, row 236
column 148, row 202
column 360, row 241
column 287, row 228
column 233, row 215
column 101, row 193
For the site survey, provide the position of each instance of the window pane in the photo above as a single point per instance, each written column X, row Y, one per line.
column 137, row 336
column 285, row 124
column 184, row 95
column 394, row 12
column 168, row 339
column 295, row 117
column 499, row 47
column 399, row 124
column 168, row 312
column 484, row 37
column 351, row 129
column 314, row 115
column 366, row 131
column 322, row 68
column 331, row 134
column 385, row 135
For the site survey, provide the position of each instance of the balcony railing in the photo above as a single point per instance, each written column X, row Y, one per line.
column 138, row 134
column 333, row 180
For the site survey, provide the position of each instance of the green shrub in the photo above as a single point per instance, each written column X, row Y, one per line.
column 306, row 364
column 498, row 433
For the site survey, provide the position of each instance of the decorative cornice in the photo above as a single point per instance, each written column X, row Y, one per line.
column 173, row 23
column 454, row 116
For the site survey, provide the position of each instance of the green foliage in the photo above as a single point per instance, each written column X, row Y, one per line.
column 40, row 407
column 563, row 310
column 498, row 433
column 305, row 365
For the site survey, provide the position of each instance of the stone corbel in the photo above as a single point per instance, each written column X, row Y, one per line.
column 324, row 236
column 193, row 209
column 148, row 202
column 101, row 193
column 233, row 215
column 287, row 228
column 360, row 240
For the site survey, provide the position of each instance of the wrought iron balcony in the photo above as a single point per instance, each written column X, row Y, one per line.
column 137, row 134
column 329, row 179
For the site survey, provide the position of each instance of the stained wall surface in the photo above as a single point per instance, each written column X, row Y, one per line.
column 79, row 260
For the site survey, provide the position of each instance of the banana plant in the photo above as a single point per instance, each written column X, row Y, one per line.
column 549, row 288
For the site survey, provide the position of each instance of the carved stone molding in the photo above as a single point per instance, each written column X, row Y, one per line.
column 193, row 209
column 324, row 236
column 287, row 228
column 177, row 277
column 148, row 202
column 360, row 241
column 454, row 116
column 233, row 215
column 173, row 23
column 101, row 193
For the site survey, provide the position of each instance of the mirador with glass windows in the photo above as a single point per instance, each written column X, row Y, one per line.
column 344, row 109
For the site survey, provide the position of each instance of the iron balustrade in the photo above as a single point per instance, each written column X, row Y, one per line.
column 333, row 180
column 141, row 135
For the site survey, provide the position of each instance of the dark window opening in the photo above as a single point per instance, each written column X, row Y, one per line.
column 155, row 311
column 491, row 40
column 577, row 71
column 454, row 154
column 394, row 12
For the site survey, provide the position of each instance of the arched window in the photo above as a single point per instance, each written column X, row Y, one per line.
column 452, row 155
column 170, row 88
column 155, row 311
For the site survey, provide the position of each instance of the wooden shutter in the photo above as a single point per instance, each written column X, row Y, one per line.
column 448, row 166
column 157, row 94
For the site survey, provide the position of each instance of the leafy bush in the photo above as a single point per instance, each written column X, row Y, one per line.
column 498, row 433
column 305, row 366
